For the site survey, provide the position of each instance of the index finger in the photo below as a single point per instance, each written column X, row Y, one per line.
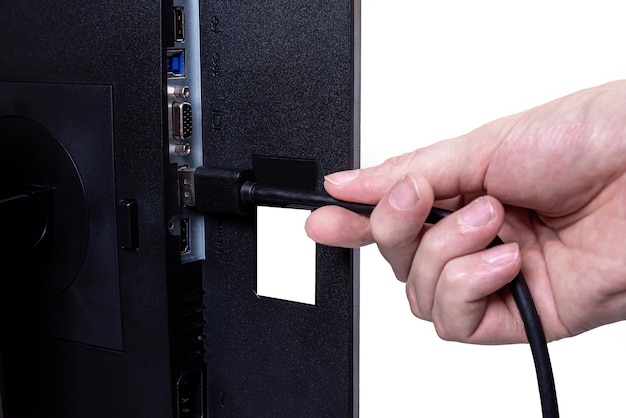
column 452, row 167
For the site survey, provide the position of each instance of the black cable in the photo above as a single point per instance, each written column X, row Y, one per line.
column 261, row 195
column 538, row 345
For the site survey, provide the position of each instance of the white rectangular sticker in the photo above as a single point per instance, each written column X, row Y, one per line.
column 285, row 255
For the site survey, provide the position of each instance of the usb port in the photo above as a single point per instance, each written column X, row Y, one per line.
column 179, row 24
column 182, row 120
column 185, row 235
column 175, row 63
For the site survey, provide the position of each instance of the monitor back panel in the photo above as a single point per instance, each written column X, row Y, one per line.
column 279, row 81
column 121, row 313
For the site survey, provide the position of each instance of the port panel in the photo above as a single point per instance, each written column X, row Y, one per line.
column 184, row 110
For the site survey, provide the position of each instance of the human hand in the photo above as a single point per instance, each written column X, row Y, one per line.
column 550, row 181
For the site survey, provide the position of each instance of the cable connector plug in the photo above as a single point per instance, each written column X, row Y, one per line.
column 227, row 191
column 222, row 190
column 215, row 190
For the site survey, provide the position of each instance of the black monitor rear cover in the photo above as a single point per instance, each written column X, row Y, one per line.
column 94, row 328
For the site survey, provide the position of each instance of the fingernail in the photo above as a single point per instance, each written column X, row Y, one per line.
column 501, row 254
column 405, row 194
column 342, row 177
column 478, row 213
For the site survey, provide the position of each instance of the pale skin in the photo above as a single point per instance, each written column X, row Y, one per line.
column 550, row 182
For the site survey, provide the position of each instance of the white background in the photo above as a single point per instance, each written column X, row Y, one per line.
column 437, row 69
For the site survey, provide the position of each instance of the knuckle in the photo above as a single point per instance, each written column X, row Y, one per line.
column 381, row 235
column 401, row 161
column 393, row 238
column 416, row 310
column 453, row 278
column 447, row 330
column 401, row 274
column 444, row 332
column 418, row 313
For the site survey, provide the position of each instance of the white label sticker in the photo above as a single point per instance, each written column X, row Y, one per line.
column 285, row 255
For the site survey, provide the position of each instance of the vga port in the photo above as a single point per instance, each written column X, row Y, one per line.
column 182, row 120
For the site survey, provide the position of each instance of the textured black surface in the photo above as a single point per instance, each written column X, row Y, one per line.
column 73, row 369
column 279, row 81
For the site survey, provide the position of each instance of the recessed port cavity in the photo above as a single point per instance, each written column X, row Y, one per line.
column 179, row 24
column 182, row 120
column 175, row 61
column 190, row 394
column 185, row 235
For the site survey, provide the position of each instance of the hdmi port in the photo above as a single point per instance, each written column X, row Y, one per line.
column 185, row 236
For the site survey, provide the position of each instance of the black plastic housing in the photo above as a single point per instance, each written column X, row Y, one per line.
column 281, row 80
column 98, row 326
column 111, row 323
column 218, row 190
